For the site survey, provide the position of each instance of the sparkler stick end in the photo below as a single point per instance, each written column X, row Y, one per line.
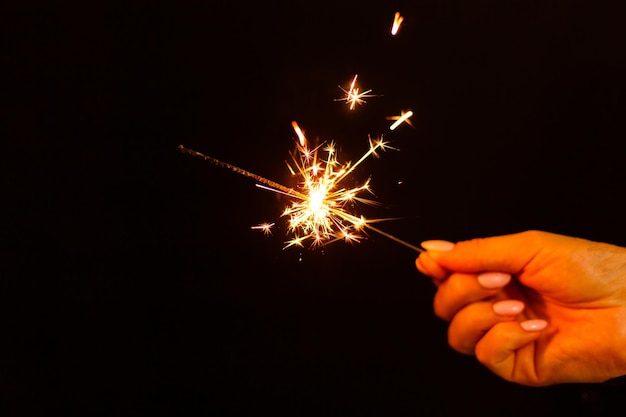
column 395, row 239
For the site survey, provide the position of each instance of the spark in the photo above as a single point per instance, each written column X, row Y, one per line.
column 354, row 96
column 397, row 21
column 266, row 228
column 319, row 213
column 403, row 117
column 320, row 209
column 299, row 132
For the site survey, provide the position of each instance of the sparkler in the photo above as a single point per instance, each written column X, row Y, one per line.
column 397, row 21
column 319, row 210
column 353, row 96
column 404, row 117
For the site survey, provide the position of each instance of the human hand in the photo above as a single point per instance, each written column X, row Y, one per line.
column 562, row 318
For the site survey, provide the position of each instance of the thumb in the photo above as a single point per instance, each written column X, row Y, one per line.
column 507, row 253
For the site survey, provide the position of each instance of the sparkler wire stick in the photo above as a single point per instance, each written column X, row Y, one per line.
column 291, row 192
column 400, row 241
column 286, row 190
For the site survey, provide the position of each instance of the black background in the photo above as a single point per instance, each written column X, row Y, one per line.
column 132, row 282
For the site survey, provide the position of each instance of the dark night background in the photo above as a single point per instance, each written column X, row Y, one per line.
column 131, row 282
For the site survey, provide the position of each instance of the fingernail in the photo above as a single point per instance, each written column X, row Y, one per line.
column 438, row 245
column 492, row 280
column 508, row 307
column 534, row 325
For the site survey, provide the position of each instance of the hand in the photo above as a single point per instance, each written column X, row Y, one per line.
column 562, row 318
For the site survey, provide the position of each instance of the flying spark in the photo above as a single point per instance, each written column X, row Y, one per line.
column 397, row 21
column 319, row 211
column 354, row 96
column 266, row 228
column 404, row 117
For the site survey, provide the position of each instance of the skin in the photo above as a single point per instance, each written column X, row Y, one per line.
column 574, row 305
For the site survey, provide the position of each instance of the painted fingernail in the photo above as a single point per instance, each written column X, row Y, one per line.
column 534, row 325
column 508, row 307
column 492, row 280
column 438, row 245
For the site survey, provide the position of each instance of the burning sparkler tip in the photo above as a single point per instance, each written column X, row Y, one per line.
column 319, row 211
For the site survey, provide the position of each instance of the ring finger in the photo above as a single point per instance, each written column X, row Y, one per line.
column 470, row 324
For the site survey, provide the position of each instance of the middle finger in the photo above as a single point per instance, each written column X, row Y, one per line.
column 461, row 289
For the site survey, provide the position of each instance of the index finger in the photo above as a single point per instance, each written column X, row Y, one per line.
column 506, row 253
column 427, row 266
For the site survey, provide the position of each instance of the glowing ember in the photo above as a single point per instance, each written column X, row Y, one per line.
column 404, row 117
column 397, row 21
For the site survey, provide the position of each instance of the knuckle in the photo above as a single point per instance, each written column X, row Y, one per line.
column 458, row 344
column 483, row 356
column 440, row 308
column 533, row 235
